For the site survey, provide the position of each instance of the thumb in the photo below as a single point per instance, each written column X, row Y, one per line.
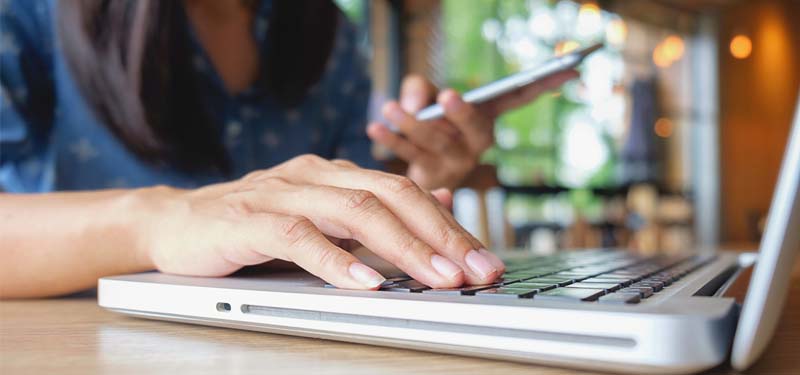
column 415, row 93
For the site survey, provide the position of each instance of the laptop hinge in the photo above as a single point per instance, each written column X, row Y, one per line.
column 716, row 286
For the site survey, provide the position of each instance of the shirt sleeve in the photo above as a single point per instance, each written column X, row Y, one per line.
column 26, row 96
column 355, row 88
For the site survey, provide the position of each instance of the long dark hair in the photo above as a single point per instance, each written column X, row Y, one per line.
column 131, row 59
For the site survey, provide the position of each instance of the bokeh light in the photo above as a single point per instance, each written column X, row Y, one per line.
column 590, row 21
column 741, row 46
column 616, row 33
column 673, row 47
column 491, row 29
column 660, row 58
column 542, row 24
column 664, row 127
column 589, row 111
column 566, row 47
column 583, row 151
column 667, row 52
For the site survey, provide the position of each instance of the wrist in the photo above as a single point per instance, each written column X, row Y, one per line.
column 146, row 210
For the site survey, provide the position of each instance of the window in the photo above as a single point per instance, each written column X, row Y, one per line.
column 566, row 138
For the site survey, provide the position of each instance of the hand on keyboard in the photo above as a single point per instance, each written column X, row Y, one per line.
column 297, row 210
column 609, row 277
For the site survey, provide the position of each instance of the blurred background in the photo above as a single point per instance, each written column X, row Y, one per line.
column 671, row 138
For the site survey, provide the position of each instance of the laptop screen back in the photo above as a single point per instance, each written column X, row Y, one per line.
column 779, row 247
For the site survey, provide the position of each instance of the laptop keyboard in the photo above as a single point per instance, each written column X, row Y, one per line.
column 601, row 276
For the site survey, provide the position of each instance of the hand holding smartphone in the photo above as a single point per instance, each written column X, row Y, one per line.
column 442, row 156
column 514, row 82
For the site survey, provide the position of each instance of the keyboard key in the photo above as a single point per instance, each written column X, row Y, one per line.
column 386, row 284
column 644, row 292
column 633, row 278
column 657, row 286
column 506, row 279
column 620, row 298
column 465, row 291
column 546, row 280
column 532, row 286
column 604, row 280
column 546, row 270
column 624, row 272
column 608, row 287
column 577, row 272
column 671, row 276
column 393, row 280
column 570, row 294
column 521, row 274
column 506, row 292
column 534, row 271
column 577, row 276
column 574, row 279
column 590, row 271
column 664, row 280
column 410, row 286
column 509, row 280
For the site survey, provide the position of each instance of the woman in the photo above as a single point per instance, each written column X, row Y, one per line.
column 200, row 133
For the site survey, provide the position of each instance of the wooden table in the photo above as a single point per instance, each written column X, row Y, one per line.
column 74, row 336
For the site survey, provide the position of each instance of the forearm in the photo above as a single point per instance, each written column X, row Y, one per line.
column 59, row 243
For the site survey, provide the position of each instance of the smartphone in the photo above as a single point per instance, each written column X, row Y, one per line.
column 515, row 81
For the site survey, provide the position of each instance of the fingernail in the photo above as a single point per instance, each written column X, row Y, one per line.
column 365, row 275
column 411, row 103
column 479, row 264
column 392, row 112
column 493, row 259
column 445, row 267
column 376, row 129
column 451, row 102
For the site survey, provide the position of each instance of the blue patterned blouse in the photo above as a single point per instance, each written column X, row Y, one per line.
column 50, row 139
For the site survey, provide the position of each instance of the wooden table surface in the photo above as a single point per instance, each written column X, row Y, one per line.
column 74, row 336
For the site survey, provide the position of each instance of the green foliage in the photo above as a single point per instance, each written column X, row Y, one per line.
column 352, row 8
column 471, row 61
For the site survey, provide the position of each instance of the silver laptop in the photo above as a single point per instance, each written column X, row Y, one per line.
column 595, row 309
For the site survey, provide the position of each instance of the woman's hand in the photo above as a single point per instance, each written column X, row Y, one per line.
column 441, row 153
column 294, row 211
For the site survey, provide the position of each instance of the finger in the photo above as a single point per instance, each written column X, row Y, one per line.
column 296, row 239
column 478, row 129
column 416, row 92
column 359, row 215
column 477, row 272
column 344, row 163
column 444, row 196
column 402, row 148
column 420, row 213
column 446, row 127
column 423, row 135
column 296, row 170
